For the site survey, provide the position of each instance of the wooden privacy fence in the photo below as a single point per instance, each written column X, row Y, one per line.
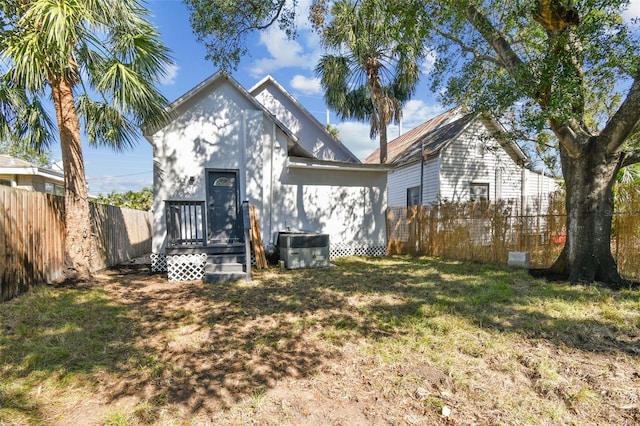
column 488, row 232
column 32, row 238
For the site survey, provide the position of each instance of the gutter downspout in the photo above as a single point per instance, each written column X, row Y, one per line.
column 523, row 190
column 273, row 144
column 421, row 170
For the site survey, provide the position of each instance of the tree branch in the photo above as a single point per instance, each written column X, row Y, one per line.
column 507, row 57
column 629, row 158
column 625, row 120
column 465, row 48
column 567, row 133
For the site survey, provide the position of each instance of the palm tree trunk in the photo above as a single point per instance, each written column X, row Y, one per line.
column 79, row 247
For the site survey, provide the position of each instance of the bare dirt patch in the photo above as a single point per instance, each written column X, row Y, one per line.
column 371, row 342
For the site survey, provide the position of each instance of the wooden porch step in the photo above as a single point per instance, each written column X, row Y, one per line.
column 218, row 277
column 237, row 248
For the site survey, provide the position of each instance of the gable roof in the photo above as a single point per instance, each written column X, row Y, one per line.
column 206, row 85
column 432, row 136
column 269, row 80
column 15, row 166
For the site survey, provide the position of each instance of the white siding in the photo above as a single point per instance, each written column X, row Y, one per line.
column 310, row 133
column 463, row 164
column 347, row 205
column 222, row 130
column 210, row 131
column 403, row 178
column 537, row 189
column 399, row 180
column 431, row 189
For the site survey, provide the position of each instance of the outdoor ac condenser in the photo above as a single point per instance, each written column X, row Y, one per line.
column 303, row 250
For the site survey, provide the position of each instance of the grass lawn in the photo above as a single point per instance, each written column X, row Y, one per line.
column 373, row 341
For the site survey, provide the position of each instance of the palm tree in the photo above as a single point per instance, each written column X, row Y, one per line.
column 97, row 61
column 369, row 74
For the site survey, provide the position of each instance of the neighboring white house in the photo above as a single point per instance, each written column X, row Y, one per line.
column 222, row 146
column 463, row 160
column 22, row 174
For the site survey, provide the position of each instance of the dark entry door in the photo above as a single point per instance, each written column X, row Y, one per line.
column 222, row 203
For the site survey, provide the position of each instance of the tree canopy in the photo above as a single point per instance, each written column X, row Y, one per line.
column 563, row 73
column 368, row 74
column 139, row 200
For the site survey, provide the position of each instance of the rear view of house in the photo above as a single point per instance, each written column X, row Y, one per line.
column 223, row 148
column 460, row 157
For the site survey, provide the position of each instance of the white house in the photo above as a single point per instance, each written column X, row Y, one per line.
column 22, row 174
column 312, row 135
column 463, row 159
column 222, row 147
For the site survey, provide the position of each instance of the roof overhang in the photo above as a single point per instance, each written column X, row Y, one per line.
column 33, row 171
column 315, row 164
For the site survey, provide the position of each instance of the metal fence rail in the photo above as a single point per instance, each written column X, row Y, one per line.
column 185, row 223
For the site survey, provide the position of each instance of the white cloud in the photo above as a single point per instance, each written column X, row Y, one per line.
column 416, row 112
column 427, row 64
column 303, row 52
column 633, row 11
column 308, row 86
column 355, row 135
column 171, row 73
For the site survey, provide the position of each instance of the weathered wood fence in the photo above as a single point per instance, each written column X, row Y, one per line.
column 32, row 238
column 488, row 232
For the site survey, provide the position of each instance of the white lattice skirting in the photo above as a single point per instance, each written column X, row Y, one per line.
column 185, row 267
column 337, row 250
column 158, row 262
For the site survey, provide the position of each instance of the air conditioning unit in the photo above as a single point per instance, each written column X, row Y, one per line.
column 303, row 249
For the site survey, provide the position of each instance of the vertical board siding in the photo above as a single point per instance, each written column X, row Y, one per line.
column 32, row 238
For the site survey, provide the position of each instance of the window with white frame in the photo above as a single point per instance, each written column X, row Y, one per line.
column 413, row 196
column 479, row 191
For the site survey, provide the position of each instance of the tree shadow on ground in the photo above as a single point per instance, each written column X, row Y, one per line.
column 502, row 299
column 55, row 336
column 226, row 342
column 206, row 347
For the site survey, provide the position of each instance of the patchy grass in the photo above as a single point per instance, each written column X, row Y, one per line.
column 394, row 340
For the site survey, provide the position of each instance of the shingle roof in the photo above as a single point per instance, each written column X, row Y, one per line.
column 13, row 162
column 434, row 133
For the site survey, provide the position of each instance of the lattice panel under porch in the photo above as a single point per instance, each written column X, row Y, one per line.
column 185, row 267
column 158, row 262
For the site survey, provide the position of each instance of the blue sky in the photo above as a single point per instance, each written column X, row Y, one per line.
column 290, row 62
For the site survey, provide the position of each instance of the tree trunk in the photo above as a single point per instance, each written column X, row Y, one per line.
column 383, row 140
column 79, row 247
column 589, row 180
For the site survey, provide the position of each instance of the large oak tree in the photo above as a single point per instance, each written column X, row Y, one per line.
column 570, row 69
